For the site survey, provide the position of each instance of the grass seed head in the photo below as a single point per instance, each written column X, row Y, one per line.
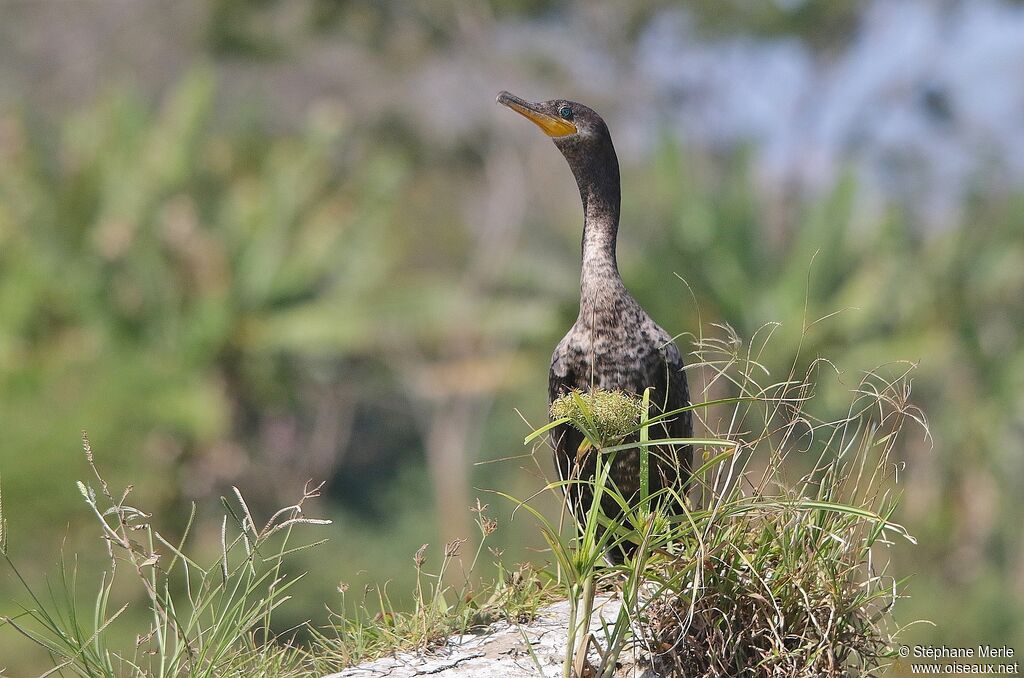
column 613, row 414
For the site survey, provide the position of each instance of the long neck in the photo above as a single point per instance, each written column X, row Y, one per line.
column 599, row 190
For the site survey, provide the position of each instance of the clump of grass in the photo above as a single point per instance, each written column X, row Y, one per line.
column 781, row 570
column 210, row 619
column 775, row 598
column 608, row 415
column 777, row 564
column 376, row 627
column 214, row 619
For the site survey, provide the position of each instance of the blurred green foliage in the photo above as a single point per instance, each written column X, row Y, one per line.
column 208, row 301
column 266, row 29
column 155, row 277
column 209, row 304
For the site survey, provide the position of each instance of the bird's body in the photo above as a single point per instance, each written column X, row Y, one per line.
column 614, row 344
column 619, row 349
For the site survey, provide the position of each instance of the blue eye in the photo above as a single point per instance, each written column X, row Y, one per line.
column 565, row 112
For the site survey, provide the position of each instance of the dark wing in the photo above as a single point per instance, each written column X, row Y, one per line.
column 671, row 393
column 566, row 440
column 562, row 376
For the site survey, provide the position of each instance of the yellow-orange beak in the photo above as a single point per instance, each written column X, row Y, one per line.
column 552, row 125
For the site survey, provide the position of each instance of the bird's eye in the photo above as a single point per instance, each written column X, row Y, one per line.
column 565, row 112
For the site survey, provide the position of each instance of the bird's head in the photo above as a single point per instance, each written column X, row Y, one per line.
column 584, row 139
column 578, row 132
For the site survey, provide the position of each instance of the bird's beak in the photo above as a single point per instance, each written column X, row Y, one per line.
column 552, row 125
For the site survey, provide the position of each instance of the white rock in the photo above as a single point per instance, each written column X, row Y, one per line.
column 506, row 650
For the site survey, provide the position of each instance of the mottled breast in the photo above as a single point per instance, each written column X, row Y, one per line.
column 619, row 348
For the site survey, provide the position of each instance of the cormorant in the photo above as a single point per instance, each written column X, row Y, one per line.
column 614, row 344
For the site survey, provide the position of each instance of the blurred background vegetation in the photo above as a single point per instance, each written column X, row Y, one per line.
column 255, row 242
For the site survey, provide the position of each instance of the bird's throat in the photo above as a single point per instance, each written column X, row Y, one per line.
column 599, row 280
column 596, row 169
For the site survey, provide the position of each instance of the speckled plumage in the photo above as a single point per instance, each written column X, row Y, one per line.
column 613, row 344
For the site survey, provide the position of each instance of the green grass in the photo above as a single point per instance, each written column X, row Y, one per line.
column 216, row 618
column 778, row 565
column 209, row 619
column 771, row 570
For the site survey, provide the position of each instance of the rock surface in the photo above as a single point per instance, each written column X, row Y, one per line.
column 505, row 650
